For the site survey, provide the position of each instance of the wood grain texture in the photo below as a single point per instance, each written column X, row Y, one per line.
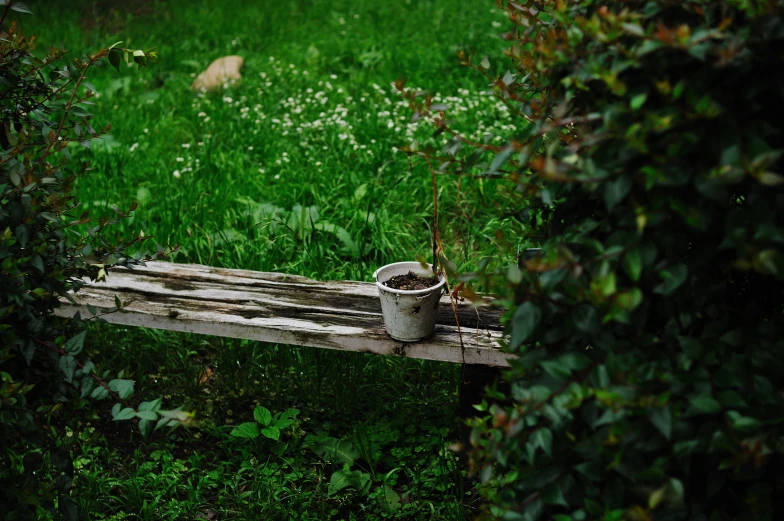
column 285, row 309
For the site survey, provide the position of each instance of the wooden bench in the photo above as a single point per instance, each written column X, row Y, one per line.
column 289, row 309
column 285, row 309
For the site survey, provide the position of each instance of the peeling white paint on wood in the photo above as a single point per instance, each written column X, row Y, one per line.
column 285, row 309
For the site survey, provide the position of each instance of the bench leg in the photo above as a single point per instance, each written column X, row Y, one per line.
column 473, row 381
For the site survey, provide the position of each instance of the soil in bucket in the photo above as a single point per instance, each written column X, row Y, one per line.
column 411, row 281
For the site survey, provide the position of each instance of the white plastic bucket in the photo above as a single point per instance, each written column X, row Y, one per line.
column 409, row 315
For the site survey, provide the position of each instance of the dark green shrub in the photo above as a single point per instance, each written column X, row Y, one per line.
column 650, row 327
column 47, row 249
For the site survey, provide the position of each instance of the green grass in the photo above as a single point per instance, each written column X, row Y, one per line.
column 294, row 169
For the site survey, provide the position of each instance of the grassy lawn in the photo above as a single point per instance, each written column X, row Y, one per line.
column 294, row 169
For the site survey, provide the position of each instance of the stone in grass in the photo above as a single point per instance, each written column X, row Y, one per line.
column 219, row 72
column 411, row 281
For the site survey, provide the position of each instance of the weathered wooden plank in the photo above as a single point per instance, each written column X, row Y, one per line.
column 280, row 308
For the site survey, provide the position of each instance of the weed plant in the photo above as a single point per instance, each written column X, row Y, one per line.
column 296, row 168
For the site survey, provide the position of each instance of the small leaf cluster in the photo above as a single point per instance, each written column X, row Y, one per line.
column 148, row 413
column 266, row 424
column 649, row 324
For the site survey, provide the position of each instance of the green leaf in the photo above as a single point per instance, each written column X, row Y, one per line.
column 661, row 418
column 673, row 278
column 632, row 263
column 629, row 299
column 123, row 388
column 524, row 322
column 246, row 430
column 676, row 486
column 333, row 449
column 606, row 284
column 731, row 399
column 37, row 263
column 271, row 432
column 342, row 234
column 262, row 415
column 553, row 495
column 704, row 405
column 125, row 414
column 115, row 57
column 616, row 190
column 22, row 234
column 341, row 479
column 147, row 415
column 150, row 406
column 67, row 509
column 743, row 423
column 574, row 361
column 555, row 369
column 500, row 159
column 67, row 365
column 74, row 345
column 638, row 101
column 79, row 111
column 99, row 393
column 543, row 438
column 391, row 497
column 585, row 318
column 87, row 386
column 691, row 346
column 19, row 7
column 657, row 496
column 145, row 427
column 634, row 29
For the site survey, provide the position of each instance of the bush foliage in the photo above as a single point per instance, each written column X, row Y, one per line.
column 650, row 326
column 47, row 250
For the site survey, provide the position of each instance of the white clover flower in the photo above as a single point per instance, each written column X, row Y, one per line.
column 134, row 147
column 186, row 145
column 318, row 163
column 250, row 148
column 180, row 160
column 201, row 144
column 261, row 170
column 277, row 176
column 176, row 174
column 145, row 130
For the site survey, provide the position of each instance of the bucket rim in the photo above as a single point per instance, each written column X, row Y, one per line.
column 381, row 287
